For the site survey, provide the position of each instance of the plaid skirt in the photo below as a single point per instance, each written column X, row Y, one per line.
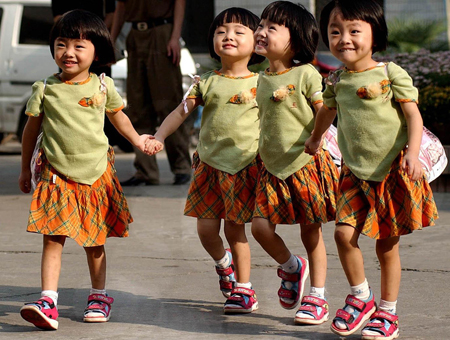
column 307, row 196
column 396, row 206
column 219, row 195
column 86, row 213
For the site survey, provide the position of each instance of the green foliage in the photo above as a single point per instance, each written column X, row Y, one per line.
column 434, row 105
column 411, row 35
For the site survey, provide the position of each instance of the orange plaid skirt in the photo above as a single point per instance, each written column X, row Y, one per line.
column 307, row 196
column 86, row 213
column 396, row 206
column 220, row 195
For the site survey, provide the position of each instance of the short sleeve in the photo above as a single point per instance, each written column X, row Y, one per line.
column 312, row 86
column 196, row 91
column 114, row 102
column 402, row 84
column 35, row 105
column 329, row 97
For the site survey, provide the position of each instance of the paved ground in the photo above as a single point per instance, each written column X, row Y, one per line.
column 165, row 285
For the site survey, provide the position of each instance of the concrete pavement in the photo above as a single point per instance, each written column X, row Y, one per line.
column 165, row 286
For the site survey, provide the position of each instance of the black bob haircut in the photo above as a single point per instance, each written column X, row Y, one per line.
column 234, row 15
column 301, row 24
column 369, row 11
column 80, row 24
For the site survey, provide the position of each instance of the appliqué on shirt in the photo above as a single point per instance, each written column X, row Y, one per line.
column 96, row 100
column 244, row 97
column 282, row 93
column 374, row 90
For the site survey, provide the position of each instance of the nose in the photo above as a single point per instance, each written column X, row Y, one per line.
column 228, row 36
column 344, row 38
column 260, row 32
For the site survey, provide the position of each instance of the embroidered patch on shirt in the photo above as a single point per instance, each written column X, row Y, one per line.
column 96, row 100
column 244, row 97
column 374, row 90
column 283, row 92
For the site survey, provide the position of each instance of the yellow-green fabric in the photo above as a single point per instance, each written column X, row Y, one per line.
column 372, row 128
column 229, row 130
column 73, row 139
column 287, row 118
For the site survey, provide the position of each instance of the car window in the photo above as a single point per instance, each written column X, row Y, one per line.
column 36, row 24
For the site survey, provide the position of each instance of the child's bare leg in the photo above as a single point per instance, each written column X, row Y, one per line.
column 96, row 258
column 235, row 234
column 315, row 247
column 389, row 257
column 208, row 230
column 51, row 261
column 350, row 255
column 264, row 232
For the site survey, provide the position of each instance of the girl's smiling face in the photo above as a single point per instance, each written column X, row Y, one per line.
column 273, row 41
column 351, row 42
column 74, row 57
column 233, row 41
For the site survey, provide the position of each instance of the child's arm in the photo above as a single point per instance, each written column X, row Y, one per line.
column 29, row 138
column 324, row 118
column 411, row 162
column 170, row 125
column 123, row 125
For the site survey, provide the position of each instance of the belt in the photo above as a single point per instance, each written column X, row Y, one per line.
column 145, row 25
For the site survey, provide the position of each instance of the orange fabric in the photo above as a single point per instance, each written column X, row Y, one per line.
column 396, row 206
column 86, row 213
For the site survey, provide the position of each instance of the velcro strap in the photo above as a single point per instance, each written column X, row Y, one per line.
column 313, row 301
column 100, row 298
column 224, row 271
column 243, row 291
column 226, row 285
column 383, row 315
column 375, row 325
column 291, row 277
column 355, row 302
column 347, row 317
column 286, row 293
column 307, row 308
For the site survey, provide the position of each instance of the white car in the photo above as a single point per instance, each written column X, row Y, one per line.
column 25, row 58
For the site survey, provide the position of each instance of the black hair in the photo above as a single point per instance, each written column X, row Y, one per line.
column 369, row 11
column 234, row 15
column 80, row 24
column 301, row 24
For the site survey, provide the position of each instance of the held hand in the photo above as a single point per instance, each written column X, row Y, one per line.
column 25, row 181
column 174, row 51
column 142, row 141
column 153, row 146
column 412, row 166
column 312, row 147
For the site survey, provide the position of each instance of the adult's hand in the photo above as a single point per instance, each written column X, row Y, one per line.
column 174, row 50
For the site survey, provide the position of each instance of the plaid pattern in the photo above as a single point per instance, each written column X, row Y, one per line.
column 396, row 206
column 87, row 214
column 217, row 194
column 307, row 196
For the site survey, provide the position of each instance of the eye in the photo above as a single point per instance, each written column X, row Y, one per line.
column 260, row 26
column 334, row 32
column 355, row 31
column 273, row 28
column 240, row 33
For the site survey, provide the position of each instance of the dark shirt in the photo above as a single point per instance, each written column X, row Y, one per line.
column 99, row 7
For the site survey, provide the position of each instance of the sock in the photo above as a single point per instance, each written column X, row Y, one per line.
column 385, row 306
column 362, row 292
column 225, row 261
column 51, row 294
column 291, row 265
column 317, row 292
column 247, row 285
column 97, row 291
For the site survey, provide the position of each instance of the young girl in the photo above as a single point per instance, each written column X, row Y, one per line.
column 78, row 195
column 383, row 192
column 293, row 187
column 225, row 163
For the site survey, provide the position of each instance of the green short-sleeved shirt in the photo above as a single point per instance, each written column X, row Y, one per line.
column 229, row 131
column 287, row 118
column 74, row 113
column 372, row 128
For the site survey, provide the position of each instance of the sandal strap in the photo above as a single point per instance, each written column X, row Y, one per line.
column 345, row 316
column 355, row 302
column 224, row 271
column 242, row 291
column 287, row 293
column 291, row 277
column 312, row 300
column 226, row 284
column 100, row 298
column 382, row 316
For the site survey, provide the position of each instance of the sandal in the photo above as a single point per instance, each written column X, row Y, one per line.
column 242, row 300
column 98, row 308
column 227, row 279
column 353, row 321
column 41, row 313
column 385, row 325
column 312, row 306
column 292, row 284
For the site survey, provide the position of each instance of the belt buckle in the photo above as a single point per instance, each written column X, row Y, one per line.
column 142, row 26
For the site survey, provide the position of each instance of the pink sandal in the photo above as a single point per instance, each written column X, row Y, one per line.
column 227, row 278
column 98, row 308
column 315, row 307
column 385, row 324
column 353, row 321
column 242, row 300
column 292, row 284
